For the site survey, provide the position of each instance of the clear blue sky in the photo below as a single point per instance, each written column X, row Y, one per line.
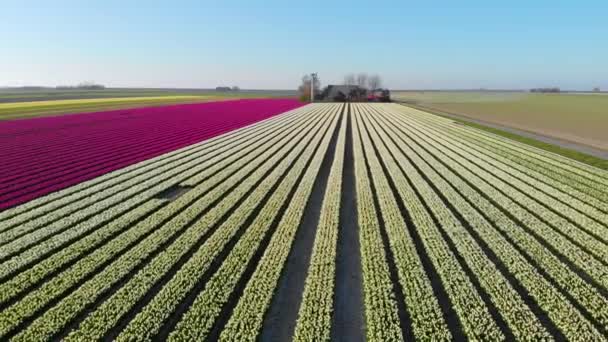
column 270, row 44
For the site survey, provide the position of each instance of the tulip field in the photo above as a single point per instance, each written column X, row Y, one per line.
column 272, row 220
column 43, row 155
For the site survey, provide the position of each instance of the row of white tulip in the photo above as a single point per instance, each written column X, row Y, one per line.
column 522, row 207
column 247, row 318
column 381, row 312
column 474, row 315
column 541, row 155
column 557, row 188
column 30, row 276
column 198, row 321
column 315, row 312
column 115, row 200
column 534, row 162
column 426, row 317
column 559, row 309
column 54, row 319
column 110, row 312
column 92, row 225
column 82, row 192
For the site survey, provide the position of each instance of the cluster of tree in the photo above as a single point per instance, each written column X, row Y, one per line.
column 233, row 88
column 596, row 90
column 360, row 85
column 545, row 90
column 363, row 81
column 88, row 85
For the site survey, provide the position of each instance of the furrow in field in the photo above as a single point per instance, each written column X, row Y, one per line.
column 199, row 172
column 315, row 311
column 86, row 189
column 573, row 179
column 81, row 196
column 66, row 256
column 470, row 302
column 280, row 318
column 547, row 157
column 560, row 190
column 128, row 262
column 247, row 317
column 558, row 307
column 517, row 206
column 223, row 289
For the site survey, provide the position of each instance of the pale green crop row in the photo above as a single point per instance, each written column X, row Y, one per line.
column 316, row 307
column 522, row 208
column 550, row 300
column 83, row 192
column 537, row 155
column 475, row 317
column 424, row 311
column 198, row 321
column 579, row 179
column 571, row 322
column 247, row 318
column 120, row 266
column 198, row 171
column 381, row 316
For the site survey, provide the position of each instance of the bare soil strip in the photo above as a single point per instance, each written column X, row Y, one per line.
column 348, row 318
column 280, row 320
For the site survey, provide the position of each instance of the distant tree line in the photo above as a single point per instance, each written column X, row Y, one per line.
column 88, row 85
column 545, row 90
column 233, row 88
column 363, row 81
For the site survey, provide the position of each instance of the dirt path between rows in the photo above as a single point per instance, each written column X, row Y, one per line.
column 280, row 321
column 348, row 321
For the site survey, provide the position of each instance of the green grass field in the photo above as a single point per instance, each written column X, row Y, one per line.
column 579, row 118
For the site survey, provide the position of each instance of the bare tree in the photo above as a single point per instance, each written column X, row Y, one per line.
column 349, row 80
column 304, row 88
column 374, row 82
column 362, row 80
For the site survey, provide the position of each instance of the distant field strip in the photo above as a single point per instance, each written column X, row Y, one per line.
column 43, row 155
column 21, row 110
column 461, row 234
